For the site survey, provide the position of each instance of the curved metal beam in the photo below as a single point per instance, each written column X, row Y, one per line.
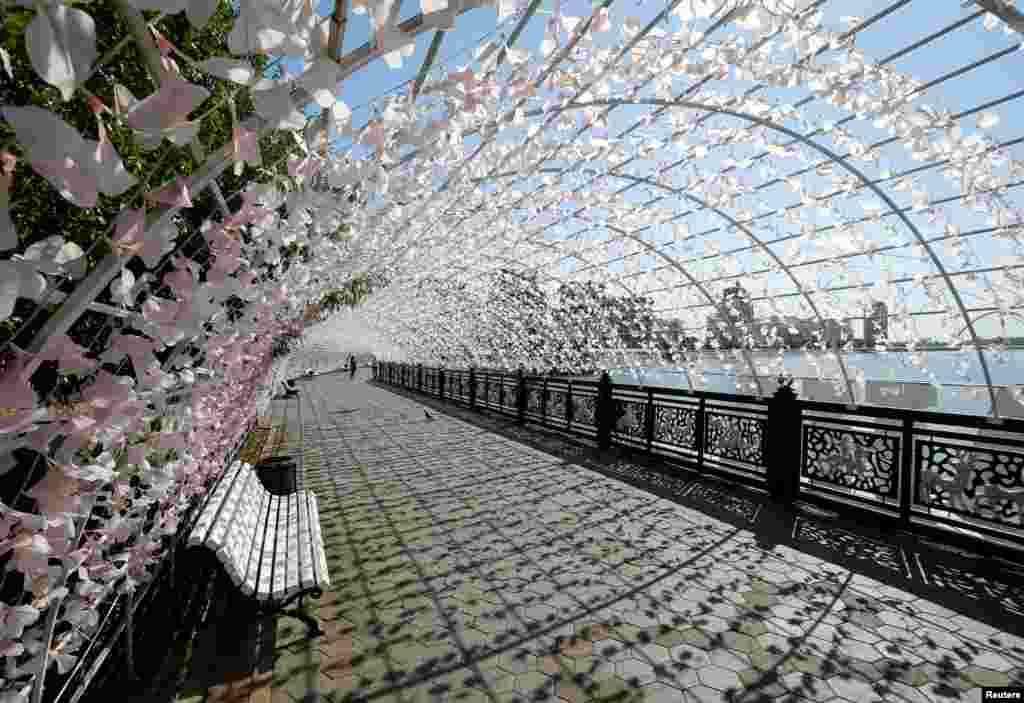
column 775, row 257
column 547, row 276
column 723, row 311
column 837, row 159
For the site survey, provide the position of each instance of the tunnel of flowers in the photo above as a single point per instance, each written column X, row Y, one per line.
column 716, row 191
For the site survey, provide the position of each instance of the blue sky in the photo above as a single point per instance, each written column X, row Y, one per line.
column 917, row 19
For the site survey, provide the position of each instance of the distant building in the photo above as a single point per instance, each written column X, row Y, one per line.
column 789, row 330
column 738, row 306
column 876, row 324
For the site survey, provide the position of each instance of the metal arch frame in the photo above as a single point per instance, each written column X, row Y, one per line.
column 546, row 275
column 689, row 104
column 996, row 311
column 486, row 140
column 775, row 257
column 723, row 311
column 719, row 22
column 555, row 245
column 808, row 99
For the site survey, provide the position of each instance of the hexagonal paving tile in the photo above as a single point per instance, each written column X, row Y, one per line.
column 991, row 660
column 653, row 652
column 629, row 669
column 533, row 681
column 853, row 689
column 661, row 693
column 690, row 656
column 518, row 662
column 703, row 694
column 718, row 677
column 576, row 647
column 729, row 660
column 984, row 677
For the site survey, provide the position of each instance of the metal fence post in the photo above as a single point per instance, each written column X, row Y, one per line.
column 783, row 443
column 472, row 387
column 605, row 411
column 440, row 383
column 568, row 404
column 419, row 378
column 908, row 471
column 649, row 419
column 698, row 430
column 521, row 396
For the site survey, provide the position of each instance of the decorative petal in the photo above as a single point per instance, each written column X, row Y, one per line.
column 74, row 183
column 199, row 12
column 8, row 233
column 174, row 194
column 43, row 135
column 168, row 107
column 61, row 44
column 122, row 287
column 233, row 70
column 988, row 120
column 321, row 80
column 276, row 107
column 112, row 178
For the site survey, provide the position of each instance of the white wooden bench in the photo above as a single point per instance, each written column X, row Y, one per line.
column 270, row 546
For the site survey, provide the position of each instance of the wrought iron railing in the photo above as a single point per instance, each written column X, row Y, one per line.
column 962, row 475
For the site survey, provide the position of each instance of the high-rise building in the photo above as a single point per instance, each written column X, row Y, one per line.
column 876, row 324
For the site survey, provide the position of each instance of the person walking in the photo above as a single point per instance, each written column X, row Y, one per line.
column 352, row 367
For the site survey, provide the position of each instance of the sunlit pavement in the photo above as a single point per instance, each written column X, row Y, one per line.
column 467, row 566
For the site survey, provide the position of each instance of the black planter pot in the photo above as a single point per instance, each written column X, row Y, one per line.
column 279, row 477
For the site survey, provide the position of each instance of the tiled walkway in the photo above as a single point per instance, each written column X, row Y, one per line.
column 468, row 567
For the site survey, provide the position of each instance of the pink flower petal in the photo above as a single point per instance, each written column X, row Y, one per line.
column 174, row 194
column 168, row 107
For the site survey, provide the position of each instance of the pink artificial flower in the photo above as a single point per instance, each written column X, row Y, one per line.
column 14, row 620
column 167, row 108
column 72, row 181
column 245, row 147
column 174, row 194
column 31, row 552
column 67, row 354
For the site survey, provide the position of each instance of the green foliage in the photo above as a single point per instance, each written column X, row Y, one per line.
column 352, row 294
column 38, row 211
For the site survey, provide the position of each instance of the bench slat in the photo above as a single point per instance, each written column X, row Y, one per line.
column 322, row 575
column 213, row 505
column 280, row 582
column 266, row 580
column 294, row 545
column 239, row 536
column 307, row 574
column 252, row 569
column 217, row 537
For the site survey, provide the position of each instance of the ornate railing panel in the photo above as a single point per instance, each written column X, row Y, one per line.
column 856, row 456
column 482, row 387
column 510, row 394
column 960, row 475
column 535, row 398
column 735, row 436
column 557, row 402
column 584, row 408
column 676, row 426
column 459, row 385
column 630, row 417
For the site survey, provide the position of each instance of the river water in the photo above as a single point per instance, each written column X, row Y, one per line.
column 943, row 381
